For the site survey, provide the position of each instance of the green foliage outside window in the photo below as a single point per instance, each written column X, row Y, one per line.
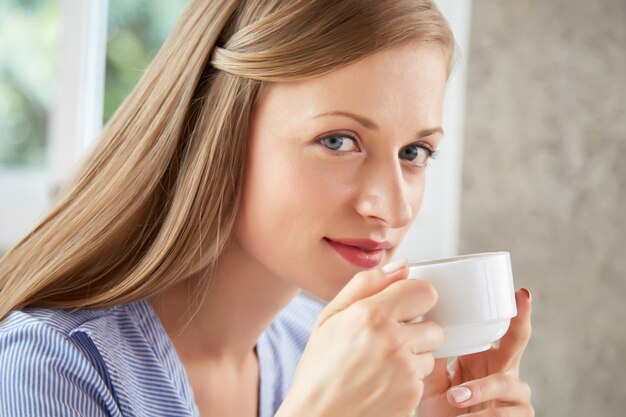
column 29, row 33
column 29, row 47
column 136, row 31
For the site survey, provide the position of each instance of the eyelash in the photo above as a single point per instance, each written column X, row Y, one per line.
column 432, row 154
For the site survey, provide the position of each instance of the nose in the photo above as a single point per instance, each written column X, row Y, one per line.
column 386, row 197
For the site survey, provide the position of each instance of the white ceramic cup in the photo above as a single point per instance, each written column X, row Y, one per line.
column 476, row 300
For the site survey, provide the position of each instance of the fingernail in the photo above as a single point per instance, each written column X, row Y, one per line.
column 528, row 294
column 460, row 394
column 394, row 266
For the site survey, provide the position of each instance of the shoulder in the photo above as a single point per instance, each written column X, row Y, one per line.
column 45, row 370
column 35, row 333
column 43, row 331
column 117, row 361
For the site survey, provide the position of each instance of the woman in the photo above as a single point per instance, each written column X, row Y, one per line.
column 271, row 146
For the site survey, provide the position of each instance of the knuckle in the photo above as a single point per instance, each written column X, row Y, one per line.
column 505, row 382
column 398, row 342
column 431, row 363
column 423, row 366
column 428, row 364
column 432, row 334
column 423, row 291
column 359, row 308
column 428, row 291
column 525, row 332
column 529, row 331
column 358, row 311
column 479, row 390
column 361, row 315
column 436, row 333
column 432, row 292
column 363, row 278
column 500, row 382
column 372, row 316
column 495, row 412
column 396, row 345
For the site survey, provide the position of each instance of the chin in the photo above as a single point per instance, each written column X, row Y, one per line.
column 328, row 291
column 329, row 280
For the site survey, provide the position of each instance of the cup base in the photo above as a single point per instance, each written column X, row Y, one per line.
column 446, row 353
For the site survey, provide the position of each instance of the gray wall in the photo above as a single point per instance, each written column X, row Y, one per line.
column 544, row 177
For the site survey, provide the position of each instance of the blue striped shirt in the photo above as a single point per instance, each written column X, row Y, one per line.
column 120, row 362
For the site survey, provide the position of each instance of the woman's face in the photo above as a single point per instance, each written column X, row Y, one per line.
column 338, row 159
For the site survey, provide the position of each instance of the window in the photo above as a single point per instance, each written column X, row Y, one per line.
column 53, row 104
column 29, row 42
column 136, row 31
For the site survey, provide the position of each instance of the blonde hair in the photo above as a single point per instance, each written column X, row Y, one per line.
column 155, row 201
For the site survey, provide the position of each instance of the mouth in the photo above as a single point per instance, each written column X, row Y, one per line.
column 363, row 253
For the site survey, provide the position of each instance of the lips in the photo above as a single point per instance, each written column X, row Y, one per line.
column 364, row 253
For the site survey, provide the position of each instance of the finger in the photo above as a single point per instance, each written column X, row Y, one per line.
column 404, row 300
column 363, row 285
column 500, row 387
column 422, row 337
column 514, row 342
column 517, row 411
column 438, row 380
column 422, row 365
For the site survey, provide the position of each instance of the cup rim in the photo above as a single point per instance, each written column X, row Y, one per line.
column 458, row 258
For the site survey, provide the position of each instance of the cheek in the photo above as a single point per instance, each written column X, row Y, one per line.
column 317, row 189
column 304, row 186
column 288, row 203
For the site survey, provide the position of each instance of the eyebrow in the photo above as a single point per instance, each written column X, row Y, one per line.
column 370, row 124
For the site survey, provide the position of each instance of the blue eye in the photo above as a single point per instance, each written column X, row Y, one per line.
column 417, row 154
column 340, row 143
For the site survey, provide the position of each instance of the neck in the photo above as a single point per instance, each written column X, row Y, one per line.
column 243, row 299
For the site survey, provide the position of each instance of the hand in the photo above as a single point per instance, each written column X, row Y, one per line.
column 362, row 359
column 491, row 378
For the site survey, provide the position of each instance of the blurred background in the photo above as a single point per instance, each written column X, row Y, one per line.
column 544, row 176
column 534, row 155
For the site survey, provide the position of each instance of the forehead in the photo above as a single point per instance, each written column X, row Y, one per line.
column 400, row 82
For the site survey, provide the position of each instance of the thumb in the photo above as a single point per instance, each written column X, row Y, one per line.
column 364, row 284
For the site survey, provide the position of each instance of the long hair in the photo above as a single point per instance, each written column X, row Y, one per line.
column 155, row 201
